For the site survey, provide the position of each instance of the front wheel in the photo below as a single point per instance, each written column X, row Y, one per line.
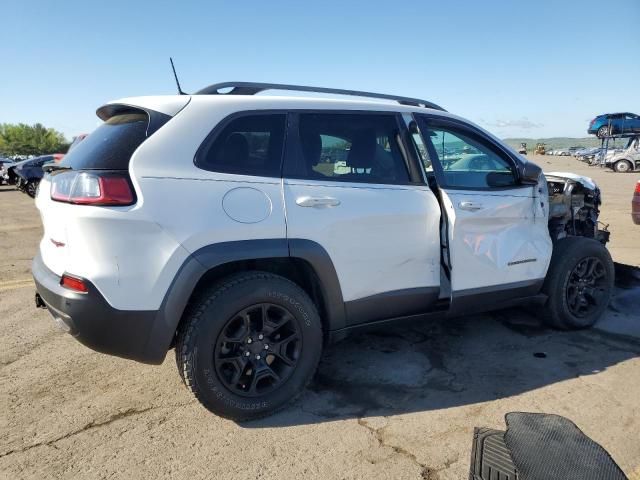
column 579, row 283
column 622, row 166
column 249, row 345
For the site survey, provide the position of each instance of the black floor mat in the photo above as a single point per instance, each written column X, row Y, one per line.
column 550, row 447
column 490, row 459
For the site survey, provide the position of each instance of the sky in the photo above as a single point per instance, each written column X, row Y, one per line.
column 518, row 68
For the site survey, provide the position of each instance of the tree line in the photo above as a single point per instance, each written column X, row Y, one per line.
column 23, row 139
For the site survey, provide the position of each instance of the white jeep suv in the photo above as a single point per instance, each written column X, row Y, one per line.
column 246, row 231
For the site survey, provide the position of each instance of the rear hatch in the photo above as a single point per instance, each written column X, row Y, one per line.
column 92, row 184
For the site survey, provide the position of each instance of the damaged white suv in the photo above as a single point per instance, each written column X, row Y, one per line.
column 247, row 230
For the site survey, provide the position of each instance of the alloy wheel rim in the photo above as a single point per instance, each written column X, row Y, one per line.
column 258, row 349
column 586, row 287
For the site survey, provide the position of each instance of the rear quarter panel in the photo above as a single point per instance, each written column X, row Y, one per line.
column 125, row 254
column 186, row 201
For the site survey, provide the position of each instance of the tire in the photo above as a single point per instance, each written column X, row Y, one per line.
column 565, row 308
column 622, row 166
column 220, row 345
column 31, row 188
column 603, row 131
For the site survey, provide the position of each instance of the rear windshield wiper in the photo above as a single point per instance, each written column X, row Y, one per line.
column 54, row 167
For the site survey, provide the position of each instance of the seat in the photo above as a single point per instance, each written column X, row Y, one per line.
column 362, row 154
column 235, row 151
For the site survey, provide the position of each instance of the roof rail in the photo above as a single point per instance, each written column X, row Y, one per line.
column 251, row 88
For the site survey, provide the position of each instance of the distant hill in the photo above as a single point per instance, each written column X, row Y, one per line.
column 555, row 142
column 565, row 142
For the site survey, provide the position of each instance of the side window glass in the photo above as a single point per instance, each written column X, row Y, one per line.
column 248, row 145
column 351, row 148
column 470, row 163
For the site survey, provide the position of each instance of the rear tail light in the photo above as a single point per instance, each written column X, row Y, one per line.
column 637, row 190
column 92, row 188
column 73, row 283
column 592, row 122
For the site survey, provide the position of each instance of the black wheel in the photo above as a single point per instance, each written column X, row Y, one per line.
column 249, row 345
column 603, row 131
column 579, row 283
column 31, row 188
column 622, row 166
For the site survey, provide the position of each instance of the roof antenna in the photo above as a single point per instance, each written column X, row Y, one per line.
column 176, row 77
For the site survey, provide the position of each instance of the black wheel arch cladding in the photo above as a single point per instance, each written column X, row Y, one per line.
column 211, row 256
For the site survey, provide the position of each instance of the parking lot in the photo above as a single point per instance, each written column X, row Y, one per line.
column 395, row 403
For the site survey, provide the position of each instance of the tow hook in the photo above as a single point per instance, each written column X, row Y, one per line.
column 39, row 302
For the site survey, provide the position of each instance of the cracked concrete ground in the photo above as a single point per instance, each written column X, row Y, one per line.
column 398, row 403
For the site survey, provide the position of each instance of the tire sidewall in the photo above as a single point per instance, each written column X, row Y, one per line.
column 626, row 167
column 589, row 248
column 31, row 188
column 602, row 132
column 213, row 393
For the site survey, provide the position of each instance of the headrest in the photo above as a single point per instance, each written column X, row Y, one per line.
column 363, row 150
column 236, row 150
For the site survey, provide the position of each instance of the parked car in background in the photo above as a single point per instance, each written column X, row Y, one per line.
column 9, row 171
column 635, row 204
column 586, row 151
column 614, row 124
column 603, row 155
column 626, row 160
column 588, row 154
column 573, row 150
column 4, row 164
column 27, row 174
column 562, row 152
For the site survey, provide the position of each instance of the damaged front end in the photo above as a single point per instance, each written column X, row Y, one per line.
column 574, row 203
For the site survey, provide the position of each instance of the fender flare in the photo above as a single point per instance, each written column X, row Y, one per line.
column 211, row 256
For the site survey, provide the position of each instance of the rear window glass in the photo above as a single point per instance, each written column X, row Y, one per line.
column 111, row 145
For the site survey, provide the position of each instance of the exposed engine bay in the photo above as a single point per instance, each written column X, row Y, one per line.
column 574, row 203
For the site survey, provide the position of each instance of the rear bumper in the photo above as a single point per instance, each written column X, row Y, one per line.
column 95, row 323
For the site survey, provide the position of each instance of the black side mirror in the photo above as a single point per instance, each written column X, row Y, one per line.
column 529, row 173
